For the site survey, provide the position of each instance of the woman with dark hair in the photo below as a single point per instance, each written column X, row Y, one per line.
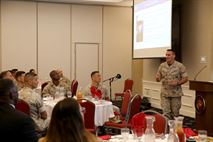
column 67, row 125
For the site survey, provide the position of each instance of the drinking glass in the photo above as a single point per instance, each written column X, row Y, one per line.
column 202, row 135
column 125, row 133
column 138, row 132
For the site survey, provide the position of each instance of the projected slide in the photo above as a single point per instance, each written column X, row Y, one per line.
column 152, row 28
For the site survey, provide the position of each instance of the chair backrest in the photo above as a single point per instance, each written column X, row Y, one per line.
column 160, row 124
column 89, row 113
column 138, row 120
column 74, row 87
column 125, row 102
column 128, row 85
column 133, row 108
column 23, row 106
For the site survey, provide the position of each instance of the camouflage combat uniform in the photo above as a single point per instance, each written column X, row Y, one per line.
column 171, row 95
column 52, row 90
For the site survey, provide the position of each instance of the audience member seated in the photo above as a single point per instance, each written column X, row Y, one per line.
column 7, row 75
column 98, row 91
column 29, row 95
column 66, row 124
column 32, row 71
column 15, row 126
column 95, row 89
column 13, row 72
column 63, row 78
column 20, row 79
column 56, row 87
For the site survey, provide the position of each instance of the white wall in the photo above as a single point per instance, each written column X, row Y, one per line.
column 86, row 41
column 53, row 38
column 18, row 35
column 44, row 36
column 117, row 45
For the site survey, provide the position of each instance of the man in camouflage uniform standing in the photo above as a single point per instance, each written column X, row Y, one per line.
column 172, row 74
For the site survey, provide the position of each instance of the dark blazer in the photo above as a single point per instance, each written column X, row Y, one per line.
column 15, row 126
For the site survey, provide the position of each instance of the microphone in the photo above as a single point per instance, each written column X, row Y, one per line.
column 195, row 78
column 118, row 76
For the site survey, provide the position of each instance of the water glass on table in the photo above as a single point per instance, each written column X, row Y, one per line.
column 137, row 132
column 125, row 133
column 202, row 135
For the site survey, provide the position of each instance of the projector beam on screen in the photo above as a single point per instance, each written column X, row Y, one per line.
column 152, row 28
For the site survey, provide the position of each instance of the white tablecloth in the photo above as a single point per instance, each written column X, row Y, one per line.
column 119, row 138
column 103, row 111
column 49, row 104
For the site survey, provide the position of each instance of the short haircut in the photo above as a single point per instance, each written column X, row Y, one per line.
column 19, row 73
column 5, row 86
column 31, row 70
column 3, row 74
column 53, row 72
column 13, row 70
column 94, row 72
column 28, row 76
column 171, row 50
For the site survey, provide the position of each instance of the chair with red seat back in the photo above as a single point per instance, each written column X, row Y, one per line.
column 138, row 120
column 74, row 87
column 125, row 103
column 127, row 86
column 23, row 106
column 138, row 123
column 160, row 123
column 133, row 108
column 89, row 114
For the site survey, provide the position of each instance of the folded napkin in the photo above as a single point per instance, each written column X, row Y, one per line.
column 105, row 137
column 189, row 132
column 95, row 92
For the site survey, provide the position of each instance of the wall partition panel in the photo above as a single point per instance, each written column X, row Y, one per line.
column 18, row 35
column 53, row 38
column 86, row 23
column 117, row 44
column 86, row 35
column 86, row 61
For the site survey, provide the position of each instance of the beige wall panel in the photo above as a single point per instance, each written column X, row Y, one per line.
column 18, row 35
column 197, row 35
column 53, row 38
column 86, row 57
column 117, row 45
column 86, row 23
column 137, row 75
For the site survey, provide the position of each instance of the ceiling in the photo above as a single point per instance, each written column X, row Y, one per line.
column 96, row 2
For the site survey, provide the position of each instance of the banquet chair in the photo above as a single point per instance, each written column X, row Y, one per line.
column 125, row 103
column 74, row 87
column 133, row 108
column 23, row 106
column 138, row 123
column 89, row 115
column 160, row 123
column 127, row 86
column 138, row 120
